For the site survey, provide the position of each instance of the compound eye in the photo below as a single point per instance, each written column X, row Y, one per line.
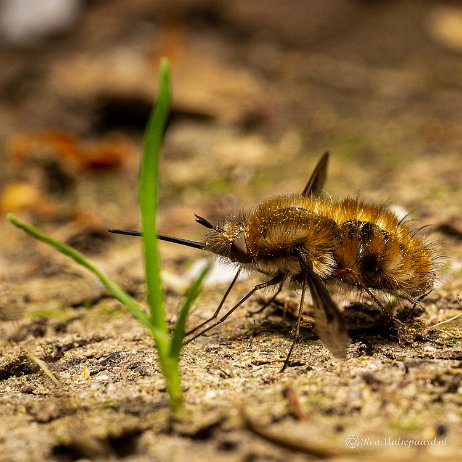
column 239, row 251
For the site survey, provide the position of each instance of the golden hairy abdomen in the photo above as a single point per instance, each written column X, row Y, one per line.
column 365, row 238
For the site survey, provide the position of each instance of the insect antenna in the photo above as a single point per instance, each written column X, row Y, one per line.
column 162, row 237
column 202, row 221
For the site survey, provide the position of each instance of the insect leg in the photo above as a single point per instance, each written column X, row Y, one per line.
column 220, row 306
column 271, row 300
column 421, row 297
column 387, row 313
column 366, row 289
column 277, row 279
column 297, row 327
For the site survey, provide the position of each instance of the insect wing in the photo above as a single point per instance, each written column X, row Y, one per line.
column 330, row 325
column 318, row 177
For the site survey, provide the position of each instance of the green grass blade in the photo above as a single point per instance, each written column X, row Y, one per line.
column 111, row 286
column 149, row 186
column 168, row 348
column 179, row 331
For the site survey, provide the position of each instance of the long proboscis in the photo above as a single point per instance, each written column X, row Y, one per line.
column 162, row 237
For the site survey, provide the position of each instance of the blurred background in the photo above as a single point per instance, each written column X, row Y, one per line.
column 260, row 90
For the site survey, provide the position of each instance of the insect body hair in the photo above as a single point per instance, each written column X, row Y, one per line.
column 354, row 242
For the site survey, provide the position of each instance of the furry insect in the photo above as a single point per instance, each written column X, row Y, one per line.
column 311, row 241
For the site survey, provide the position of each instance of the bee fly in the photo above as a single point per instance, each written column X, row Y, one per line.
column 311, row 241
